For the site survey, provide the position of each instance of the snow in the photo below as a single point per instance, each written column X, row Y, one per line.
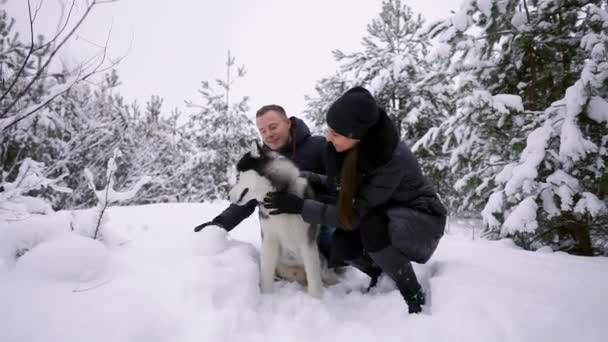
column 461, row 21
column 519, row 20
column 523, row 175
column 566, row 186
column 68, row 258
column 573, row 145
column 167, row 283
column 549, row 205
column 438, row 51
column 505, row 102
column 522, row 218
column 494, row 205
column 589, row 203
column 598, row 109
column 18, row 205
column 485, row 6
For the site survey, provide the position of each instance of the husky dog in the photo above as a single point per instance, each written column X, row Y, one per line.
column 287, row 241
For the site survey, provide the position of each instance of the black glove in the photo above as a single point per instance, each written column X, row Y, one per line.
column 283, row 203
column 317, row 182
column 415, row 303
column 210, row 223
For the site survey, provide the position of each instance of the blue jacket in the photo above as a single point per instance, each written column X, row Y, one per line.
column 304, row 149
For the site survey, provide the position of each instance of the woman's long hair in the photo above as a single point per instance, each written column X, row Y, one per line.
column 349, row 183
column 373, row 151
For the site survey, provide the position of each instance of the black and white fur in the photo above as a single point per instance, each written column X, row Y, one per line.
column 287, row 241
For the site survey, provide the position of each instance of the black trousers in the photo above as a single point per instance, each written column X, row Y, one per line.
column 415, row 234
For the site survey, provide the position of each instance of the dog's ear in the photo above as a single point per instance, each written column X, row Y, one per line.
column 260, row 149
column 254, row 152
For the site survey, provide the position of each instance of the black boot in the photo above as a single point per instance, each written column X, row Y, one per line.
column 366, row 265
column 399, row 268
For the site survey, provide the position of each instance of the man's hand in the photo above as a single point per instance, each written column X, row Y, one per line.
column 210, row 223
column 283, row 203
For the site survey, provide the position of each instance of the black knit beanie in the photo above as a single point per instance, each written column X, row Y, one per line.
column 353, row 113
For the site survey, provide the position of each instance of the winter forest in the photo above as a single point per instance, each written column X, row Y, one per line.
column 504, row 102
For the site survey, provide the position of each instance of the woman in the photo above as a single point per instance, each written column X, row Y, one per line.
column 386, row 208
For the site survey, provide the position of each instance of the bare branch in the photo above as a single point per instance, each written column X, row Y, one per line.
column 92, row 287
column 61, row 29
column 37, row 9
column 78, row 79
column 527, row 12
column 37, row 108
column 48, row 61
column 31, row 19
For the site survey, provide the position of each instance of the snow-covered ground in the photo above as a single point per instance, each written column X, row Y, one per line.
column 156, row 280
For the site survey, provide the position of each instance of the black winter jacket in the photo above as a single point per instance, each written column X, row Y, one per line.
column 391, row 179
column 304, row 149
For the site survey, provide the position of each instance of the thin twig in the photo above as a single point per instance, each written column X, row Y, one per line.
column 527, row 12
column 48, row 61
column 60, row 30
column 37, row 9
column 92, row 287
column 105, row 205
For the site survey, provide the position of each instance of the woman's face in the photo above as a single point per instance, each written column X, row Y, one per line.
column 340, row 142
column 274, row 129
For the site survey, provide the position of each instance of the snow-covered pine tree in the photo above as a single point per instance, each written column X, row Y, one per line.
column 410, row 83
column 394, row 68
column 557, row 192
column 31, row 133
column 470, row 145
column 214, row 137
column 33, row 123
column 157, row 153
column 96, row 122
column 511, row 59
column 327, row 90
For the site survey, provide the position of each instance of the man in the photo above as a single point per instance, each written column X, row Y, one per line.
column 289, row 137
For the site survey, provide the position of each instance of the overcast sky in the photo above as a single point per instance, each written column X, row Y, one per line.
column 171, row 46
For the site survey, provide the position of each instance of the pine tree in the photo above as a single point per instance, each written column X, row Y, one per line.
column 408, row 81
column 215, row 137
column 34, row 124
column 393, row 66
column 158, row 154
column 528, row 52
column 97, row 122
column 557, row 192
column 327, row 91
column 31, row 132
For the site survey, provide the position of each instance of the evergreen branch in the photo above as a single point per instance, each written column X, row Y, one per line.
column 27, row 57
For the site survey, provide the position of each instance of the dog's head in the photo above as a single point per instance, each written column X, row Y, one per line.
column 259, row 172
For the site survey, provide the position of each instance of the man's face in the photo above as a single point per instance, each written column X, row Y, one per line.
column 274, row 129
